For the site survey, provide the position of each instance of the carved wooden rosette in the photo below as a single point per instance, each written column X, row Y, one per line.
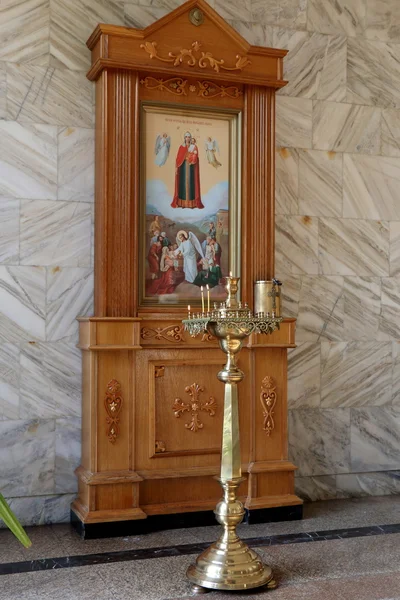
column 113, row 403
column 194, row 406
column 268, row 401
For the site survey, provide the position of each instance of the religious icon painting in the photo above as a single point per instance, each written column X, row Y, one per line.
column 190, row 202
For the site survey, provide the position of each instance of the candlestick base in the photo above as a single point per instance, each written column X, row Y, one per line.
column 233, row 568
column 229, row 564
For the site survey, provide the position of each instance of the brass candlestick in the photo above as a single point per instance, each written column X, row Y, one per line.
column 229, row 564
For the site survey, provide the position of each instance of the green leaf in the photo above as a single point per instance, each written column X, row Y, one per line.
column 7, row 515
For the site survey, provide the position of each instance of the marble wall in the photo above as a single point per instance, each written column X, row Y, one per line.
column 338, row 235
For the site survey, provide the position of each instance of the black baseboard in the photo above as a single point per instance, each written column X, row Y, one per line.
column 90, row 531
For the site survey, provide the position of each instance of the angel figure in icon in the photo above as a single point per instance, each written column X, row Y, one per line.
column 212, row 148
column 188, row 247
column 163, row 144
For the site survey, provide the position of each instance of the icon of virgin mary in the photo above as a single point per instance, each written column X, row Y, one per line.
column 187, row 175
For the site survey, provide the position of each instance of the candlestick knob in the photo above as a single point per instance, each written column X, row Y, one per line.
column 231, row 287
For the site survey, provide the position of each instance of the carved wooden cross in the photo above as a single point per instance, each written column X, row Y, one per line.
column 273, row 294
column 194, row 406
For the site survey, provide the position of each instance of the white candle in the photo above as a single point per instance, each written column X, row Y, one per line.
column 208, row 297
column 202, row 298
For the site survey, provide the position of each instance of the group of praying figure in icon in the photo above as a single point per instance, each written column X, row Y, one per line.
column 187, row 170
column 184, row 259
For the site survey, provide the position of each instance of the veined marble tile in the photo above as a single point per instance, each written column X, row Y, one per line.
column 320, row 183
column 9, row 231
column 383, row 20
column 76, row 164
column 142, row 16
column 9, row 381
column 3, row 88
column 69, row 295
column 24, row 31
column 22, row 303
column 27, row 451
column 312, row 489
column 373, row 73
column 237, row 9
column 257, row 34
column 394, row 248
column 50, row 380
column 371, row 187
column 321, row 308
column 42, row 510
column 396, row 372
column 315, row 66
column 290, row 294
column 362, row 307
column 71, row 24
column 336, row 16
column 389, row 324
column 169, row 5
column 265, row 11
column 55, row 233
column 358, row 485
column 48, row 95
column 319, row 441
column 353, row 247
column 293, row 122
column 390, row 132
column 346, row 128
column 286, row 181
column 282, row 13
column 296, row 244
column 68, row 454
column 304, row 376
column 355, row 374
column 292, row 14
column 28, row 160
column 375, row 438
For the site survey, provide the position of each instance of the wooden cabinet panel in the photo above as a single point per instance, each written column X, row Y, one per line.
column 188, row 410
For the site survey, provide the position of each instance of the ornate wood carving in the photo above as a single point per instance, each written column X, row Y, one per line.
column 187, row 57
column 195, row 405
column 268, row 401
column 160, row 447
column 207, row 337
column 175, row 85
column 209, row 89
column 128, row 342
column 171, row 333
column 113, row 403
column 159, row 371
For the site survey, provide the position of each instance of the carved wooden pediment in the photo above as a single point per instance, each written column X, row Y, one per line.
column 172, row 44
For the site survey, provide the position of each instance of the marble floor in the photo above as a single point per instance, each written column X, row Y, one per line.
column 341, row 550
